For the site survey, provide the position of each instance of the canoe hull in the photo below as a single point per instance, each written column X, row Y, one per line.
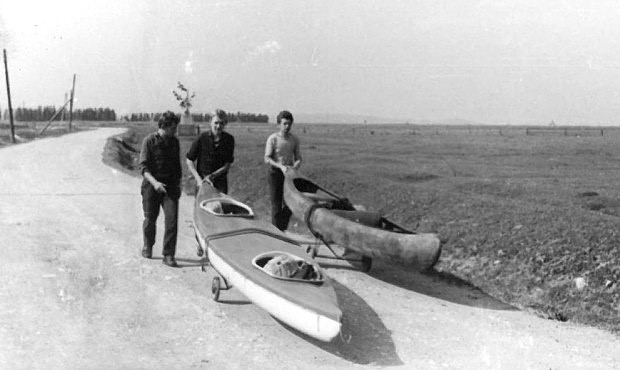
column 359, row 231
column 232, row 242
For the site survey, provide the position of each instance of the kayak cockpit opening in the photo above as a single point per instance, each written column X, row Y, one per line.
column 226, row 207
column 286, row 266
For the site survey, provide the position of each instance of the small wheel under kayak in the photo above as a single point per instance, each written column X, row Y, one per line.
column 199, row 251
column 366, row 263
column 215, row 288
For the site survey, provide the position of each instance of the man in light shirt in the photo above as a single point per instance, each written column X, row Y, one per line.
column 281, row 152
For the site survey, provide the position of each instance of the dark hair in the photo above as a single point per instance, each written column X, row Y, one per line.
column 168, row 119
column 219, row 113
column 284, row 115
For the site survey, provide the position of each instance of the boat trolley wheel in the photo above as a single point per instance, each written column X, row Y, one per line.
column 215, row 288
column 199, row 251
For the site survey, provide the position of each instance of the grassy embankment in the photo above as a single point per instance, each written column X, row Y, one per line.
column 521, row 216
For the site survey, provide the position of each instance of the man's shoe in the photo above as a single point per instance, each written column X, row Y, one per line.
column 147, row 252
column 170, row 261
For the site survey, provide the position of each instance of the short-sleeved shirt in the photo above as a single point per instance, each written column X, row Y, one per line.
column 160, row 157
column 210, row 157
column 283, row 149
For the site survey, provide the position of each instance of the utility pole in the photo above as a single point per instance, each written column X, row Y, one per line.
column 71, row 103
column 62, row 117
column 8, row 94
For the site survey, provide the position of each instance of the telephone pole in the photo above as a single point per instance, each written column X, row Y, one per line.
column 71, row 103
column 8, row 94
column 62, row 117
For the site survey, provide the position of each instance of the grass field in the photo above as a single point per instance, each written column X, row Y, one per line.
column 521, row 216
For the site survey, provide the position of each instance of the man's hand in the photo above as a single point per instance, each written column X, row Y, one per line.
column 208, row 179
column 159, row 187
column 283, row 168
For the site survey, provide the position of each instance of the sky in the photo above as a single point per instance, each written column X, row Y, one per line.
column 493, row 62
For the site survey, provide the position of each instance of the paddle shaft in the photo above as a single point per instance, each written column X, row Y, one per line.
column 330, row 193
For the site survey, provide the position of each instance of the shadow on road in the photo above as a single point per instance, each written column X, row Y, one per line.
column 438, row 284
column 363, row 338
column 186, row 262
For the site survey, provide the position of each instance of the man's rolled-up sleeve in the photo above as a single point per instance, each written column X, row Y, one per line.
column 194, row 150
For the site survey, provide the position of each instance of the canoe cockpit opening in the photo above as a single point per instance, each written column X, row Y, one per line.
column 226, row 207
column 286, row 266
column 311, row 191
column 305, row 185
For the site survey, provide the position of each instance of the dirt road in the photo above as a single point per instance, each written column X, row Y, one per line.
column 77, row 294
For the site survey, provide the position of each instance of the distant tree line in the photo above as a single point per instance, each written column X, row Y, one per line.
column 46, row 113
column 199, row 117
column 138, row 117
column 94, row 114
column 247, row 117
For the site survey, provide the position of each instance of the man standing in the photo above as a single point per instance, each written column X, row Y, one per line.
column 160, row 164
column 213, row 152
column 281, row 152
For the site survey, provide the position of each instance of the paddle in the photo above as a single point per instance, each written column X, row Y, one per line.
column 330, row 193
column 343, row 200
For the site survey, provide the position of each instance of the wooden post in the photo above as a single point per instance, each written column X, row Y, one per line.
column 71, row 103
column 8, row 94
column 62, row 117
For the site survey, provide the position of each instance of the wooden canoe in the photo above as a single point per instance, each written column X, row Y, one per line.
column 236, row 242
column 333, row 219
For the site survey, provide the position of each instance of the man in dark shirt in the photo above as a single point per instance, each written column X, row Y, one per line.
column 160, row 165
column 213, row 152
